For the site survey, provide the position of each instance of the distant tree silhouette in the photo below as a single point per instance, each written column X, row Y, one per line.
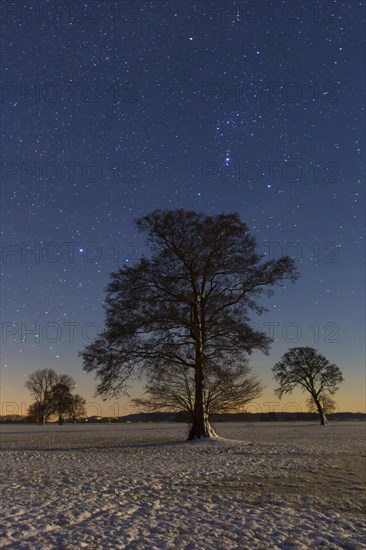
column 61, row 397
column 312, row 372
column 52, row 393
column 187, row 306
column 40, row 384
column 77, row 408
column 35, row 413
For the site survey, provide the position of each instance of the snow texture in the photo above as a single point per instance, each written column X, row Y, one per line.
column 276, row 486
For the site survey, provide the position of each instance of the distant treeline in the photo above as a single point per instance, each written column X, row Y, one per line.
column 181, row 417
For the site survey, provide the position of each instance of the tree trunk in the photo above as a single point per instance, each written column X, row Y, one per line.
column 323, row 418
column 201, row 427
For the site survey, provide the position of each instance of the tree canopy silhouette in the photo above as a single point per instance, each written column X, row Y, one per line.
column 186, row 306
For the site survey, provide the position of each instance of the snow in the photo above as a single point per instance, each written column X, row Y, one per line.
column 140, row 486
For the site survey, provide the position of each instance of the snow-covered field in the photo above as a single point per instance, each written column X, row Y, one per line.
column 138, row 486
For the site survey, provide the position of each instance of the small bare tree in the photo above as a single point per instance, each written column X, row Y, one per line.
column 307, row 368
column 227, row 390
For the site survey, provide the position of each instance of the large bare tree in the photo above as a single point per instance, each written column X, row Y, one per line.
column 186, row 306
column 306, row 368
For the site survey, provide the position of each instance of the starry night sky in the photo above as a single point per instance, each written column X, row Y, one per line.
column 112, row 109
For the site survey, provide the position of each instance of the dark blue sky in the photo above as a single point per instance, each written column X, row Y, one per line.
column 123, row 107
